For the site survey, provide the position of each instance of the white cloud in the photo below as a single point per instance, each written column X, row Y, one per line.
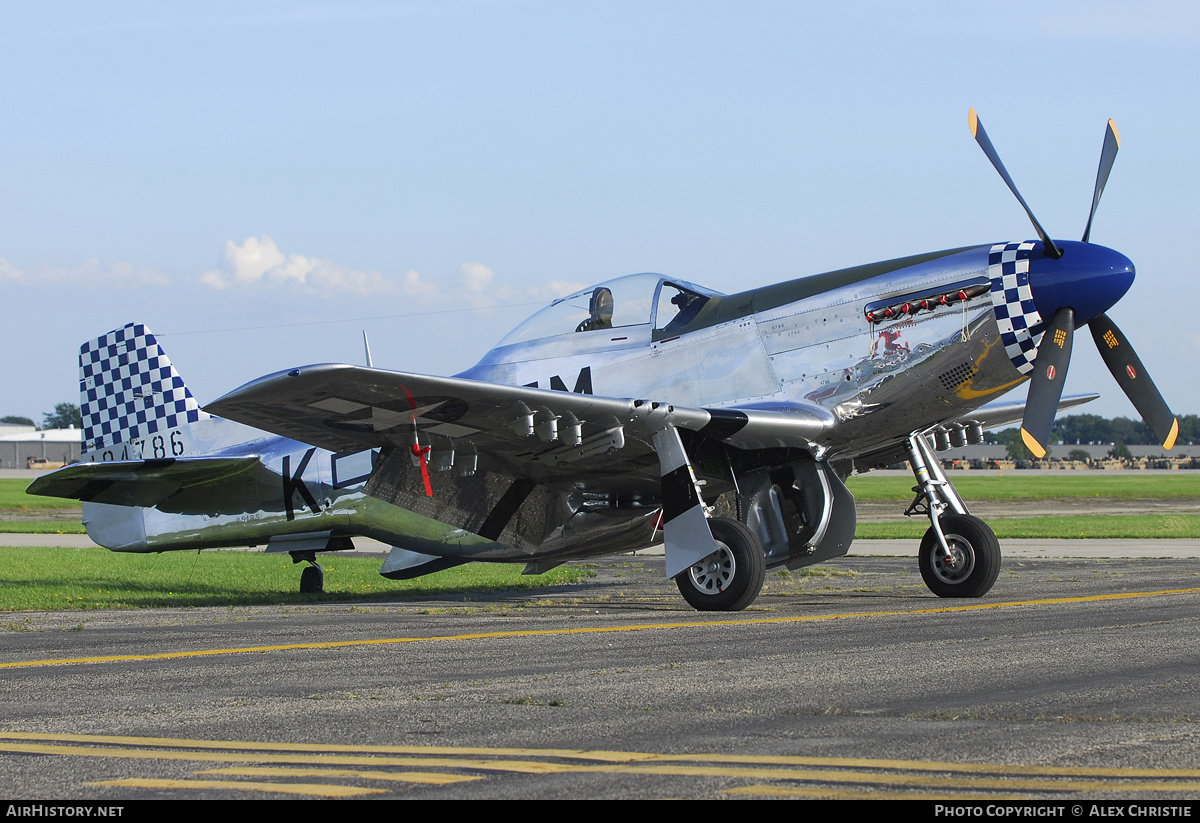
column 559, row 288
column 8, row 271
column 91, row 273
column 482, row 291
column 258, row 261
column 254, row 259
column 414, row 285
column 476, row 276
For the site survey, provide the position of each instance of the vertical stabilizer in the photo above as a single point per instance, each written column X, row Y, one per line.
column 129, row 392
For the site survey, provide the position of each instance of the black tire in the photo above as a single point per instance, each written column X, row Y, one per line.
column 312, row 580
column 977, row 558
column 727, row 580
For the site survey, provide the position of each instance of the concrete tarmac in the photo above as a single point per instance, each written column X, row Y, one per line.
column 1073, row 679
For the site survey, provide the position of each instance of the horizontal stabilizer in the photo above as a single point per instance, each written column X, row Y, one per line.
column 138, row 482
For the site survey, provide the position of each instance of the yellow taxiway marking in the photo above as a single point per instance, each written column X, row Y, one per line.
column 858, row 794
column 807, row 775
column 527, row 766
column 857, row 771
column 315, row 789
column 405, row 755
column 435, row 778
column 694, row 624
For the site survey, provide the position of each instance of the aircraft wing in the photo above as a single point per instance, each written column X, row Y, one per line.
column 991, row 416
column 138, row 482
column 540, row 433
column 1009, row 413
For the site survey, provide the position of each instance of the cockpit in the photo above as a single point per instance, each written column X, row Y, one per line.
column 636, row 300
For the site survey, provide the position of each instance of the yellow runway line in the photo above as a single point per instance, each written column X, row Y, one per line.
column 312, row 789
column 751, row 621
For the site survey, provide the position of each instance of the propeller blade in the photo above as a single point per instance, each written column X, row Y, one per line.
column 981, row 138
column 1112, row 142
column 1134, row 380
column 1046, row 385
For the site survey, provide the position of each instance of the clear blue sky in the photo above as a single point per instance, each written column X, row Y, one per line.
column 240, row 175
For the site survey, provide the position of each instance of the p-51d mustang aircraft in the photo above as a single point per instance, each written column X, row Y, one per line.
column 641, row 406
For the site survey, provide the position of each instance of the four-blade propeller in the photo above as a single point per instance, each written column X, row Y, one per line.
column 1081, row 291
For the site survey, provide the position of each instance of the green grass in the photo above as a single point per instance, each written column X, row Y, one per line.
column 1017, row 485
column 59, row 578
column 40, row 527
column 1133, row 526
column 14, row 499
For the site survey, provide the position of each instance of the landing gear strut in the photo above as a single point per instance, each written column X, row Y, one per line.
column 959, row 555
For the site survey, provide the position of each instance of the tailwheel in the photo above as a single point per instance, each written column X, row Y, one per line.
column 974, row 558
column 312, row 580
column 730, row 578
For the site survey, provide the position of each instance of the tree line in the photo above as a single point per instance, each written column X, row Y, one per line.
column 1089, row 429
column 64, row 416
column 1084, row 429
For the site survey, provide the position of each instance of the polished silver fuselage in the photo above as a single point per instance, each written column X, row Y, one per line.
column 881, row 380
column 807, row 343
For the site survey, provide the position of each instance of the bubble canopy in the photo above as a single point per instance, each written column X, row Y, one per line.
column 622, row 301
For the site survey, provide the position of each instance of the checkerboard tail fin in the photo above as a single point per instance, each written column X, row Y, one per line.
column 130, row 393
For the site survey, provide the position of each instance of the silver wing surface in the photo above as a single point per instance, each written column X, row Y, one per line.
column 990, row 416
column 546, row 434
column 514, row 464
column 995, row 415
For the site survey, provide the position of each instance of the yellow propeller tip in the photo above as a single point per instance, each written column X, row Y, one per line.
column 1169, row 443
column 973, row 121
column 1116, row 133
column 1039, row 451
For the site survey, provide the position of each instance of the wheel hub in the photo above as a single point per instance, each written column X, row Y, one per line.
column 714, row 573
column 959, row 565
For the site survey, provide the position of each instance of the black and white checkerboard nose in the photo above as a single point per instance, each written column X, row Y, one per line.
column 128, row 389
column 1017, row 315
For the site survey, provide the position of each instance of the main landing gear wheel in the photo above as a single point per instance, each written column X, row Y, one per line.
column 312, row 580
column 975, row 560
column 730, row 578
